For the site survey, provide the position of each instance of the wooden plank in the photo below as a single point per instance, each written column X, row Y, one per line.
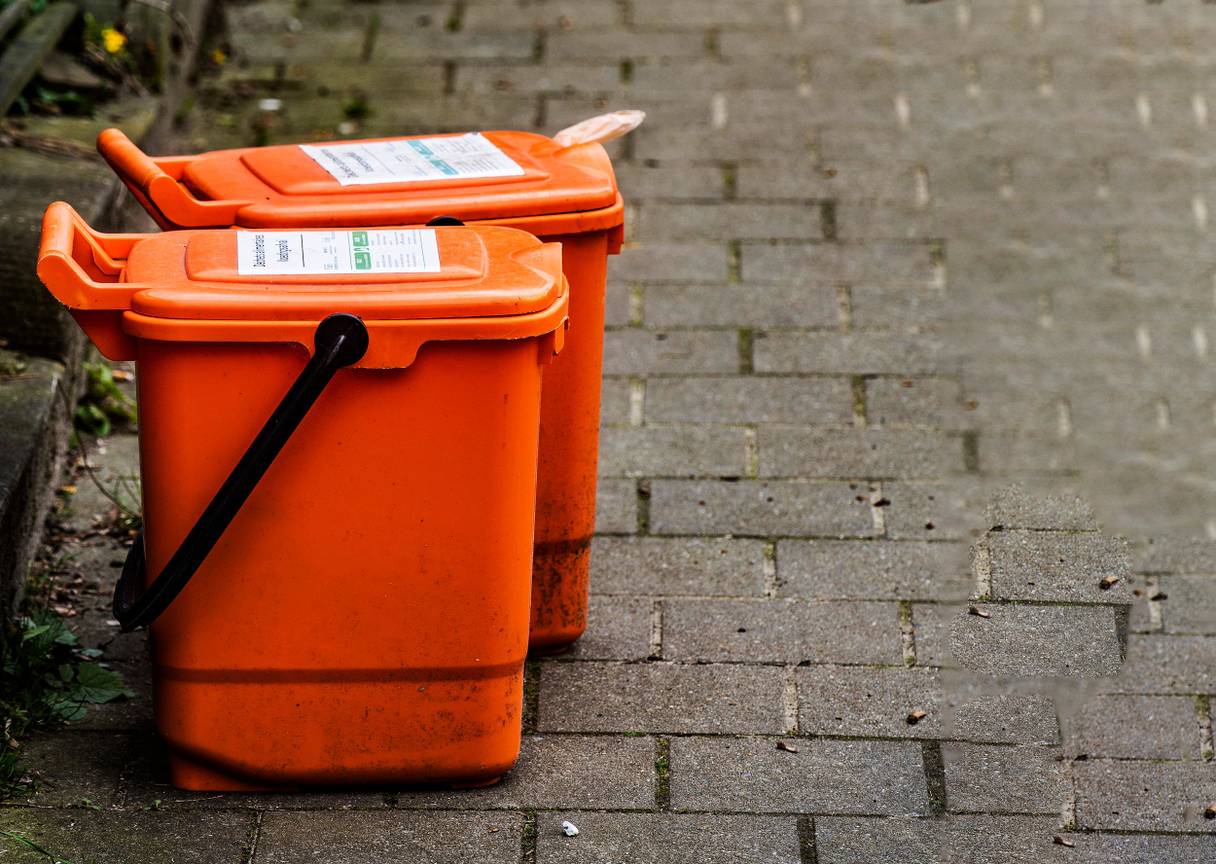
column 11, row 15
column 37, row 39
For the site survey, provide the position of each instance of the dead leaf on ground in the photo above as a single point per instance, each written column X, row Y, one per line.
column 788, row 748
column 977, row 611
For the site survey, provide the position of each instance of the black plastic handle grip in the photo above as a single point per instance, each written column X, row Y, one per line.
column 340, row 340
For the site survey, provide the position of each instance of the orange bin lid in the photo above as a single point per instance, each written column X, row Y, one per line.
column 378, row 274
column 411, row 285
column 387, row 181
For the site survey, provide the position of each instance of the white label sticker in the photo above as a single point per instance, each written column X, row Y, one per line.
column 290, row 253
column 412, row 160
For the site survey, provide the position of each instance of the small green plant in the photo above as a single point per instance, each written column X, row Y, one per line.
column 104, row 403
column 53, row 100
column 46, row 679
column 357, row 107
column 11, row 365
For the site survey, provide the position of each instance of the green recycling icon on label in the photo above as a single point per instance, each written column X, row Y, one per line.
column 361, row 250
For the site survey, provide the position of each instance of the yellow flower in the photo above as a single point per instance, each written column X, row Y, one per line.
column 112, row 40
column 218, row 57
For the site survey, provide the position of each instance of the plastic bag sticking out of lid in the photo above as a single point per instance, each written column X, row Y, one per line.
column 599, row 129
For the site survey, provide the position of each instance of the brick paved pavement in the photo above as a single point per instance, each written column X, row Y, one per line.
column 883, row 258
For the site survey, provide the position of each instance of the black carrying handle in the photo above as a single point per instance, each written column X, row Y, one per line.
column 340, row 341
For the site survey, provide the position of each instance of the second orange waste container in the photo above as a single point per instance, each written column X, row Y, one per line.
column 338, row 439
column 516, row 179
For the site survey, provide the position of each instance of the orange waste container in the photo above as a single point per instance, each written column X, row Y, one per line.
column 338, row 439
column 515, row 179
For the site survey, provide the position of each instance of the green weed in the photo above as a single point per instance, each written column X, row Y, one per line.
column 46, row 679
column 104, row 403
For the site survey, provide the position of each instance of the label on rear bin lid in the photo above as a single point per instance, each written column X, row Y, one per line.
column 454, row 157
column 294, row 253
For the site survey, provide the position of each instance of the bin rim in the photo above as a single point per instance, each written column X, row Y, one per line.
column 393, row 344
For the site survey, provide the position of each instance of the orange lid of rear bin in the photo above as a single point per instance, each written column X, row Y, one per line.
column 390, row 181
column 411, row 285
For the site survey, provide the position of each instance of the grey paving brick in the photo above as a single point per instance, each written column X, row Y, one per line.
column 985, row 779
column 932, row 624
column 897, row 307
column 116, row 837
column 848, row 354
column 1037, row 412
column 870, row 453
column 656, row 261
column 79, row 769
column 1048, row 565
column 908, row 263
column 439, row 114
column 674, row 181
column 987, row 839
column 749, row 399
column 824, row 776
column 668, row 838
column 673, row 451
column 618, row 628
column 775, row 508
column 890, row 221
column 676, row 352
column 730, row 221
column 677, row 565
column 851, row 570
column 1015, row 507
column 552, row 771
column 1169, row 664
column 1014, row 455
column 558, row 16
column 528, row 79
column 932, row 402
column 1177, row 555
column 737, row 305
column 691, row 14
column 1188, row 603
column 928, row 511
column 589, row 44
column 352, row 837
column 1141, row 848
column 842, row 180
column 1020, row 639
column 999, row 718
column 781, row 631
column 848, row 700
column 614, row 401
column 400, row 41
column 660, row 697
column 618, row 303
column 1152, row 796
column 1139, row 727
column 735, row 81
column 616, row 506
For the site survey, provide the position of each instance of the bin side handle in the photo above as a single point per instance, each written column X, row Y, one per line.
column 340, row 340
column 69, row 245
column 155, row 184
